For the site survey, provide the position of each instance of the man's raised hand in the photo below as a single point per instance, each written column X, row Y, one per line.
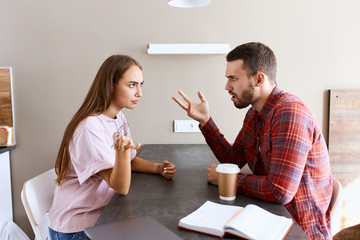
column 197, row 111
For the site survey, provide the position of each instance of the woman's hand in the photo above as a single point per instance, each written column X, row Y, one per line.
column 167, row 170
column 123, row 143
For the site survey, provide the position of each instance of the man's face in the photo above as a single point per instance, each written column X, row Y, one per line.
column 239, row 85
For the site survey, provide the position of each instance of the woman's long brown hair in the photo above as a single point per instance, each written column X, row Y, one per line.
column 96, row 102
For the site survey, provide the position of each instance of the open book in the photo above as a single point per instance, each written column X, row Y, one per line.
column 250, row 222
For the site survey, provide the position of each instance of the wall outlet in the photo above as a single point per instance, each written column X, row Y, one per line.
column 186, row 126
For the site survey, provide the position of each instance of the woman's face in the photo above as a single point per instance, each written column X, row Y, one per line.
column 127, row 91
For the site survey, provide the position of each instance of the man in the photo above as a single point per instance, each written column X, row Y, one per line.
column 280, row 140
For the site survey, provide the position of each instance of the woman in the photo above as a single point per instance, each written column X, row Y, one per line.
column 97, row 154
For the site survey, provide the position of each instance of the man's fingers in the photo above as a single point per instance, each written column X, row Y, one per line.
column 186, row 98
column 201, row 96
column 181, row 104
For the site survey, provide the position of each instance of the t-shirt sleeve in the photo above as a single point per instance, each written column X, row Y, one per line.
column 90, row 153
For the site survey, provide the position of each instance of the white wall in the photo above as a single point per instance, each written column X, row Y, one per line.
column 56, row 47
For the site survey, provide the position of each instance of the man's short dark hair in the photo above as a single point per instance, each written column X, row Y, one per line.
column 256, row 57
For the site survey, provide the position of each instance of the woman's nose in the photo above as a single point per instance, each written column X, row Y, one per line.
column 139, row 92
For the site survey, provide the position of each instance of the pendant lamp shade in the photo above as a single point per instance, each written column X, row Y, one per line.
column 189, row 3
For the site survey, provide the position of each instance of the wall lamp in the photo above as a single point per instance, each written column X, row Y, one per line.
column 189, row 3
column 185, row 48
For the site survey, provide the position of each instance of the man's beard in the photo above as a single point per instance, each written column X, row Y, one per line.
column 247, row 97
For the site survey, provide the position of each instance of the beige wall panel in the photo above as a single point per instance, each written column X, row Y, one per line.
column 56, row 47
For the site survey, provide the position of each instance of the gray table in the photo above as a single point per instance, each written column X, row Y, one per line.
column 170, row 200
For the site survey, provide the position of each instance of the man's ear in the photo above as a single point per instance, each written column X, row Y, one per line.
column 259, row 79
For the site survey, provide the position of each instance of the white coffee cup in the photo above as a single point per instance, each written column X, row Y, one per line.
column 227, row 180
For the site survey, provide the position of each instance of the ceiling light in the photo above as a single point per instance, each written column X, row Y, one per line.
column 189, row 3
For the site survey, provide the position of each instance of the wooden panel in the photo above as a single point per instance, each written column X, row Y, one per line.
column 5, row 85
column 344, row 135
column 5, row 98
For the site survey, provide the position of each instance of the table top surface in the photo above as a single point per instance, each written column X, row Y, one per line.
column 168, row 201
column 6, row 149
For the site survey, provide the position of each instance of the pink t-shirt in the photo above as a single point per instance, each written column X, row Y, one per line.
column 78, row 201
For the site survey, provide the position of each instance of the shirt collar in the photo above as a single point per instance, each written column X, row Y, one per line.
column 270, row 102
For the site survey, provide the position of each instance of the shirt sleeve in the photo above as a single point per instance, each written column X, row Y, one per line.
column 90, row 153
column 292, row 137
column 222, row 149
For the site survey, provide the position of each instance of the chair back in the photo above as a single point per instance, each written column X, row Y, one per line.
column 37, row 196
column 336, row 206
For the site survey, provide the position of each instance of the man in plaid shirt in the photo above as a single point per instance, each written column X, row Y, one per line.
column 280, row 141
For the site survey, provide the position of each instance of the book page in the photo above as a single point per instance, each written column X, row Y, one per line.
column 257, row 223
column 210, row 218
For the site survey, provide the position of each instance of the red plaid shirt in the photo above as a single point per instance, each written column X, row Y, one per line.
column 284, row 147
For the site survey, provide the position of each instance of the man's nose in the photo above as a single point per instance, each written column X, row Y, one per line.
column 228, row 86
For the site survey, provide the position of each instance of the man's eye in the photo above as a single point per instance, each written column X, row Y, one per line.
column 132, row 85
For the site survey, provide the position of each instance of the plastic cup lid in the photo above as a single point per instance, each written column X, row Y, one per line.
column 227, row 168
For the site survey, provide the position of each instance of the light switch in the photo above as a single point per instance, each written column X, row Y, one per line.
column 186, row 126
